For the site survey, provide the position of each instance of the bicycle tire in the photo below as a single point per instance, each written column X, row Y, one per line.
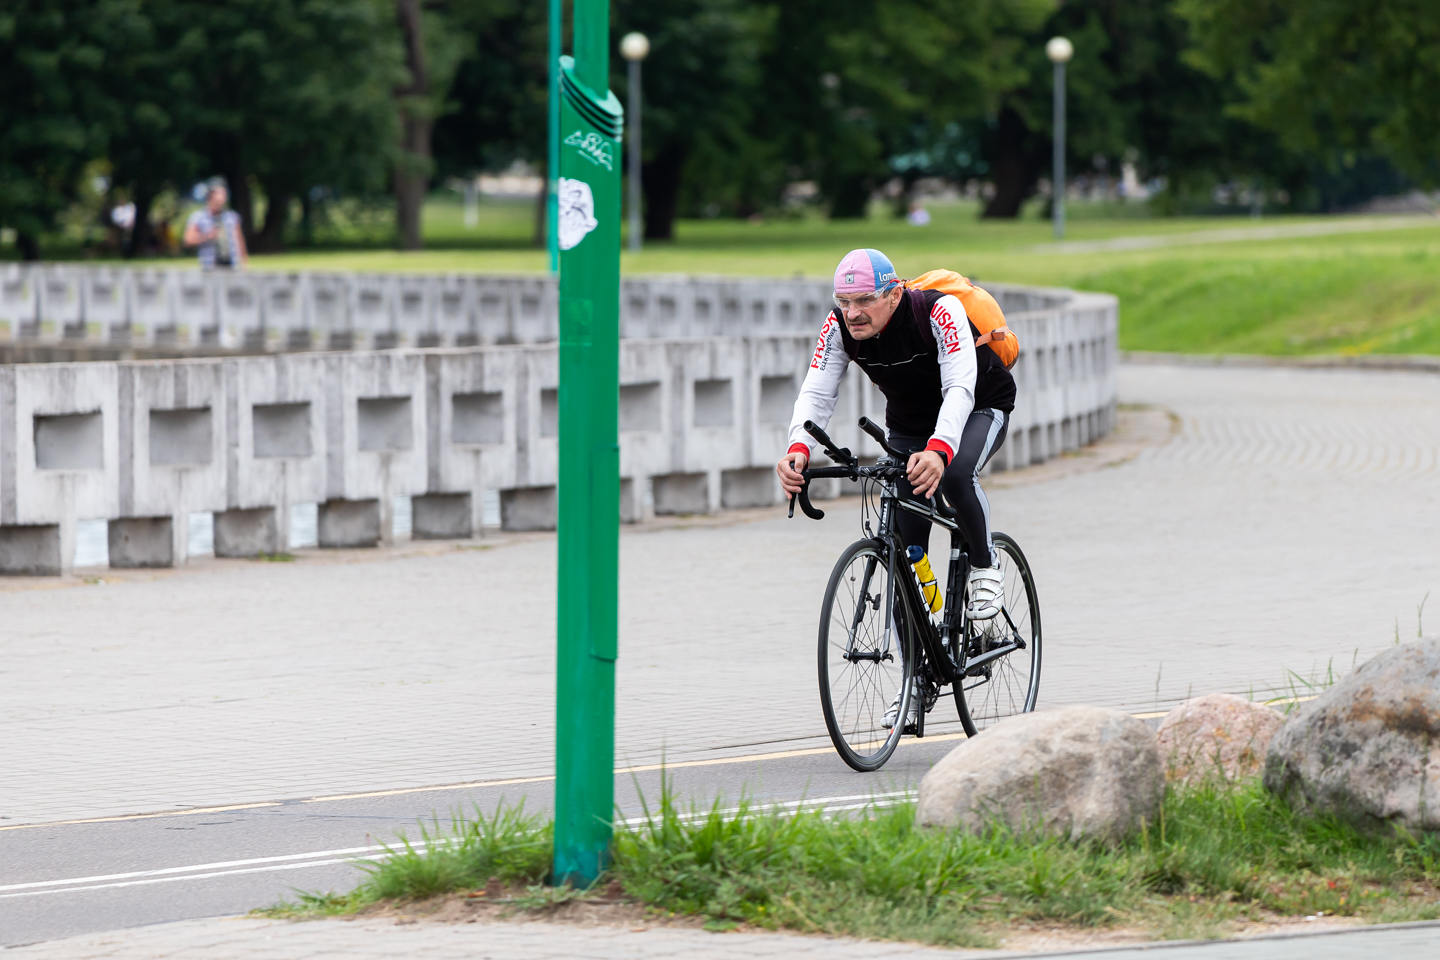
column 858, row 674
column 1010, row 684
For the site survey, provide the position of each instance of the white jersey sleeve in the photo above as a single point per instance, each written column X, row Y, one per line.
column 821, row 389
column 951, row 328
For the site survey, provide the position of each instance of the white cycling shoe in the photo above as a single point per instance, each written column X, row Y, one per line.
column 987, row 589
column 912, row 715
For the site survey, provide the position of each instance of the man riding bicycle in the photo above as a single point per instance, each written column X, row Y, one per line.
column 948, row 404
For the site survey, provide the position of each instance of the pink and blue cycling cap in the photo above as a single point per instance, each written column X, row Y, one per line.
column 863, row 271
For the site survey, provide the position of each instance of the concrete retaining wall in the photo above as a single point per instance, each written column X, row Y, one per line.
column 702, row 420
column 257, row 311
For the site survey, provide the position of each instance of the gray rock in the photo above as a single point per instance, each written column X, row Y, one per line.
column 1368, row 749
column 1219, row 736
column 1081, row 771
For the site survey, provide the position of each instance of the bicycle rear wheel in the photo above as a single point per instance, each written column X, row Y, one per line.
column 862, row 668
column 998, row 686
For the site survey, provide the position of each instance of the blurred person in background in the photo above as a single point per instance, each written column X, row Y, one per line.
column 215, row 231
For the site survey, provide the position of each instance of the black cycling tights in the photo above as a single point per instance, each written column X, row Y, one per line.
column 983, row 434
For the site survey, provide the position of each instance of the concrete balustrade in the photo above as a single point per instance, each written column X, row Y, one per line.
column 171, row 442
column 259, row 311
column 275, row 413
column 145, row 444
column 59, row 459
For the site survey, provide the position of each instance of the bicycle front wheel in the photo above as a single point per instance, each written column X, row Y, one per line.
column 863, row 666
column 1002, row 654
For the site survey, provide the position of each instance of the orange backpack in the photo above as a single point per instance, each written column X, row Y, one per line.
column 980, row 307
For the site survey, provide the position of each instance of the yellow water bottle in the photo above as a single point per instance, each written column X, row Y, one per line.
column 921, row 563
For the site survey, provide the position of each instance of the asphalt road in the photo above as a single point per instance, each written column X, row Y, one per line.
column 67, row 879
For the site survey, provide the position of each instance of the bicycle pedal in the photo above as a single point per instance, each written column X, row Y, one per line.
column 910, row 730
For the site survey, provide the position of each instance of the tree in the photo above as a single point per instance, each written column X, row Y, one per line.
column 701, row 90
column 851, row 85
column 53, row 82
column 149, row 109
column 1326, row 74
column 290, row 93
column 432, row 52
column 496, row 106
column 498, row 101
column 324, row 115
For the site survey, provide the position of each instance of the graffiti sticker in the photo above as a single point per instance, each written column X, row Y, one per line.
column 577, row 212
column 593, row 147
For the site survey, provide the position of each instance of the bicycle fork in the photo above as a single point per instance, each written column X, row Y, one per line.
column 883, row 652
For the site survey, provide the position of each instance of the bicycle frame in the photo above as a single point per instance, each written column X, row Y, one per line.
column 887, row 540
column 887, row 536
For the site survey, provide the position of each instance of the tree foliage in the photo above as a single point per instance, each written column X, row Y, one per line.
column 293, row 100
column 52, row 77
column 1326, row 74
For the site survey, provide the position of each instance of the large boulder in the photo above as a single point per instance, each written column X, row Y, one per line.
column 1217, row 736
column 1368, row 749
column 1081, row 771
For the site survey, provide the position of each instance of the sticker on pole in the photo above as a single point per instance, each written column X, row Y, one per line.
column 577, row 212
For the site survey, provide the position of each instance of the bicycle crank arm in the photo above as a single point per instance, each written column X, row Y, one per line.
column 989, row 656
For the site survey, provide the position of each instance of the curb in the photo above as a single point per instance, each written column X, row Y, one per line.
column 1160, row 946
column 1411, row 364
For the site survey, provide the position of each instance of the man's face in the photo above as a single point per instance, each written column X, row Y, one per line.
column 217, row 199
column 867, row 314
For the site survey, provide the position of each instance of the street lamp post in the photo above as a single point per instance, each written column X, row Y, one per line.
column 588, row 492
column 634, row 47
column 1059, row 50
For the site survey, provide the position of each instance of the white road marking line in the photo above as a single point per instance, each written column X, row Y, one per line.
column 322, row 858
column 188, row 876
column 203, row 866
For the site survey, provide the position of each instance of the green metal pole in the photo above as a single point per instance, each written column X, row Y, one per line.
column 557, row 27
column 591, row 121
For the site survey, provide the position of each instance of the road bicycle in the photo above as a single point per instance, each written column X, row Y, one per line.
column 877, row 633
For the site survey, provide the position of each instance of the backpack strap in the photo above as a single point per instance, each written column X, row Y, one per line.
column 998, row 333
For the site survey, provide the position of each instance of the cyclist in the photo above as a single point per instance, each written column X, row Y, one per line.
column 947, row 404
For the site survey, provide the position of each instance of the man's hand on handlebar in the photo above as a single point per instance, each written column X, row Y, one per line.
column 924, row 470
column 789, row 469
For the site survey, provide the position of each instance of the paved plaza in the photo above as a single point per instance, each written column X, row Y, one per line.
column 1248, row 530
column 1287, row 527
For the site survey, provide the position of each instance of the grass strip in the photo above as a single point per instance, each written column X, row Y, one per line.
column 1217, row 854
